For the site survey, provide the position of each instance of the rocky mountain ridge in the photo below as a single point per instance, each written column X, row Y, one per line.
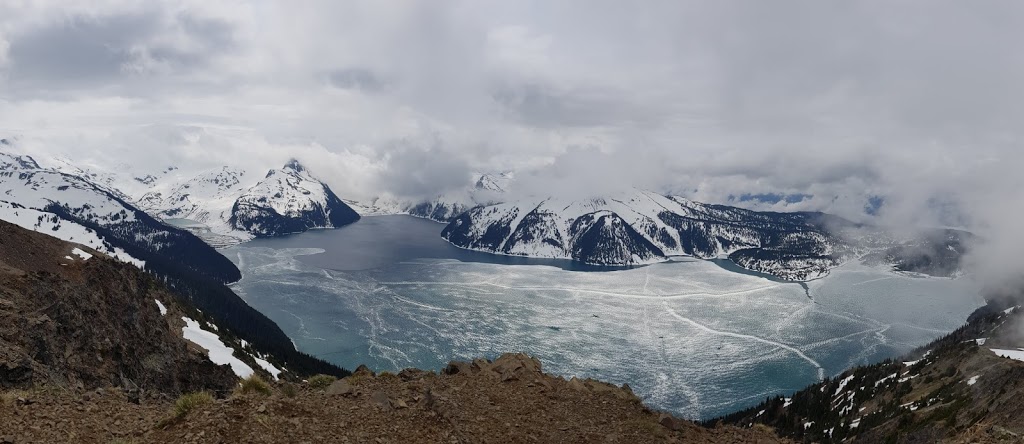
column 77, row 209
column 69, row 317
column 642, row 227
column 226, row 206
column 289, row 200
column 482, row 189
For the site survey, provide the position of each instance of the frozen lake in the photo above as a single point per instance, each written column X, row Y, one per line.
column 688, row 336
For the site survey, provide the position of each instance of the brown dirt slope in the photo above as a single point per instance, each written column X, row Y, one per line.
column 75, row 323
column 507, row 401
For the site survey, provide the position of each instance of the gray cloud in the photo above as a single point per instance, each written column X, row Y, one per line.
column 423, row 172
column 121, row 52
column 357, row 79
column 917, row 102
column 79, row 51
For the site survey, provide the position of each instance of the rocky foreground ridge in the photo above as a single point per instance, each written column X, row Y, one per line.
column 506, row 401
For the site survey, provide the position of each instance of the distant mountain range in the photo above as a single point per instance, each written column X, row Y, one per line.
column 228, row 205
column 77, row 209
column 642, row 227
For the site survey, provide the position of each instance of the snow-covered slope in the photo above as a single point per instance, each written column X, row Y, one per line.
column 63, row 229
column 75, row 208
column 203, row 200
column 226, row 205
column 640, row 227
column 289, row 200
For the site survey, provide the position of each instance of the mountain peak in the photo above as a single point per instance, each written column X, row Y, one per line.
column 293, row 164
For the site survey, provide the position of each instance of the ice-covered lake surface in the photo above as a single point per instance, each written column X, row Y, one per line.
column 689, row 336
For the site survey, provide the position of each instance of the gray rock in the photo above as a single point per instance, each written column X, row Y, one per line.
column 669, row 422
column 341, row 387
column 456, row 367
column 380, row 400
column 363, row 370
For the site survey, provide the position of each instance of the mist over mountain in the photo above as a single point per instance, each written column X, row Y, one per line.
column 701, row 100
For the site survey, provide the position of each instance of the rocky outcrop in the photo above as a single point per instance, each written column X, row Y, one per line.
column 508, row 400
column 75, row 319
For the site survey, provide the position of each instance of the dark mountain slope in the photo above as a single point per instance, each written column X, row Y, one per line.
column 957, row 389
column 75, row 322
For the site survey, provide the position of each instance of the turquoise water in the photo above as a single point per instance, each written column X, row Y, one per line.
column 689, row 336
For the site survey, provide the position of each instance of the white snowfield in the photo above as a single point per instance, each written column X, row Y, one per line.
column 28, row 190
column 81, row 253
column 274, row 371
column 63, row 229
column 25, row 183
column 1017, row 354
column 206, row 198
column 219, row 353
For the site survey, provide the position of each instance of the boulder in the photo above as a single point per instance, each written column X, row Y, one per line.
column 577, row 385
column 456, row 367
column 380, row 400
column 480, row 364
column 341, row 387
column 363, row 370
column 669, row 422
column 517, row 363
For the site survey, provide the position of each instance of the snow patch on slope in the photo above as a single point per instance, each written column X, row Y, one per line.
column 219, row 353
column 1012, row 354
column 63, row 229
column 274, row 371
column 81, row 253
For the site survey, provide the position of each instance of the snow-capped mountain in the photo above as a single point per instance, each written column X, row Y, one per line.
column 486, row 189
column 74, row 208
column 642, row 227
column 227, row 205
column 206, row 198
column 289, row 200
column 201, row 203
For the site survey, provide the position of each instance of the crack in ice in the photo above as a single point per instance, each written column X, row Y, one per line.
column 585, row 290
column 821, row 370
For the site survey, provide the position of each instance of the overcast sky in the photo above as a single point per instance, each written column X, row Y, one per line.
column 920, row 103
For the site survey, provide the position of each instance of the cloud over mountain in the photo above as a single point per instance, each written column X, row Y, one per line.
column 916, row 104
